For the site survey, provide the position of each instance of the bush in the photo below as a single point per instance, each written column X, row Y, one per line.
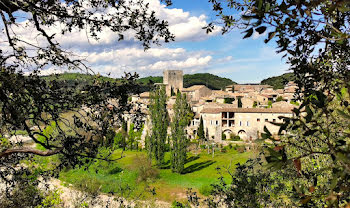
column 223, row 136
column 229, row 100
column 145, row 170
column 230, row 146
column 176, row 204
column 23, row 195
column 279, row 98
column 90, row 186
column 206, row 190
column 29, row 195
column 119, row 140
column 240, row 149
column 236, row 138
column 202, row 146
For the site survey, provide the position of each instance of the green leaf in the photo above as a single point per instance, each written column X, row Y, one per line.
column 249, row 33
column 267, row 131
column 261, row 29
column 343, row 114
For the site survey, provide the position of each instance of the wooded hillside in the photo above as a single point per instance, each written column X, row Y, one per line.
column 278, row 82
column 211, row 81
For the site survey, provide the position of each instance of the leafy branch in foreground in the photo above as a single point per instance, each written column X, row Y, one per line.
column 79, row 121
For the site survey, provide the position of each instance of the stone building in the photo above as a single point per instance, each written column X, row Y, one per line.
column 173, row 81
column 245, row 116
column 247, row 123
column 194, row 93
column 246, row 88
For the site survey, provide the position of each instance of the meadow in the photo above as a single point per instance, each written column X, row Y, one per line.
column 122, row 177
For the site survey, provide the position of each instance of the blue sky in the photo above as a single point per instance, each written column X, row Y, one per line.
column 194, row 51
column 251, row 59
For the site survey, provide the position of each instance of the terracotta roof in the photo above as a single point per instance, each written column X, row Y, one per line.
column 247, row 110
column 221, row 94
column 193, row 88
column 206, row 98
column 250, row 86
column 144, row 95
column 290, row 90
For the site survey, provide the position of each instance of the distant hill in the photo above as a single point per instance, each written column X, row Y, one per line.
column 211, row 81
column 278, row 82
column 73, row 79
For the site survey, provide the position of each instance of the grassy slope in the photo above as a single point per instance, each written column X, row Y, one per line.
column 201, row 171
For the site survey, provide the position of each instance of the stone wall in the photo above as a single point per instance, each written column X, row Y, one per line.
column 173, row 79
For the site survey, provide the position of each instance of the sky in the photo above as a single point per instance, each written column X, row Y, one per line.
column 193, row 51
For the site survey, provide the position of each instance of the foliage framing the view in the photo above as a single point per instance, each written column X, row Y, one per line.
column 29, row 103
column 314, row 38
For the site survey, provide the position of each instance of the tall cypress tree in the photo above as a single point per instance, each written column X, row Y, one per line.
column 201, row 133
column 181, row 119
column 159, row 119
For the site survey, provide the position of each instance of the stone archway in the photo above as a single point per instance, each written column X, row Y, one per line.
column 227, row 133
column 242, row 134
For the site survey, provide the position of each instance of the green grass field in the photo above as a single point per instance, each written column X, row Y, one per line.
column 121, row 177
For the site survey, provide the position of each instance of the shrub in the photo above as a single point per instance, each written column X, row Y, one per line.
column 240, row 149
column 206, row 190
column 230, row 146
column 223, row 136
column 23, row 195
column 202, row 146
column 236, row 138
column 51, row 200
column 118, row 140
column 176, row 204
column 145, row 169
column 229, row 100
column 279, row 98
column 88, row 185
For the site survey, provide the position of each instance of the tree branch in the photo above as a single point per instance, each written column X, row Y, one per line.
column 30, row 151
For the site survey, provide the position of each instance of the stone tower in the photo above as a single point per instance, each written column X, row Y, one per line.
column 172, row 79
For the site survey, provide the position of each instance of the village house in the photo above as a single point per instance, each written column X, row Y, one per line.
column 241, row 110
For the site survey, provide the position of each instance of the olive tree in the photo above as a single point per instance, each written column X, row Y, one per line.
column 31, row 104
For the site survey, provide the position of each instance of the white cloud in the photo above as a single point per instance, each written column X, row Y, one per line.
column 110, row 55
column 150, row 62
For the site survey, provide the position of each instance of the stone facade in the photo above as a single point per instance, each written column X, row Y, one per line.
column 247, row 123
column 220, row 118
column 173, row 80
column 196, row 92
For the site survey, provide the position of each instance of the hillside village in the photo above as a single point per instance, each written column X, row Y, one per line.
column 239, row 109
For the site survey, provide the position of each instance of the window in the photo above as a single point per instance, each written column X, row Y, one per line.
column 217, row 122
column 266, row 120
column 240, row 123
column 247, row 123
column 274, row 120
column 258, row 120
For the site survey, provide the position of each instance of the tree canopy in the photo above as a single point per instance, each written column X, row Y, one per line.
column 314, row 38
column 66, row 121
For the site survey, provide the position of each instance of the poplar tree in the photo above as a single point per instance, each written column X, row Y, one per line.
column 201, row 133
column 159, row 120
column 182, row 117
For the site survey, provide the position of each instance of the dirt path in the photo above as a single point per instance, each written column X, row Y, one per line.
column 74, row 198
